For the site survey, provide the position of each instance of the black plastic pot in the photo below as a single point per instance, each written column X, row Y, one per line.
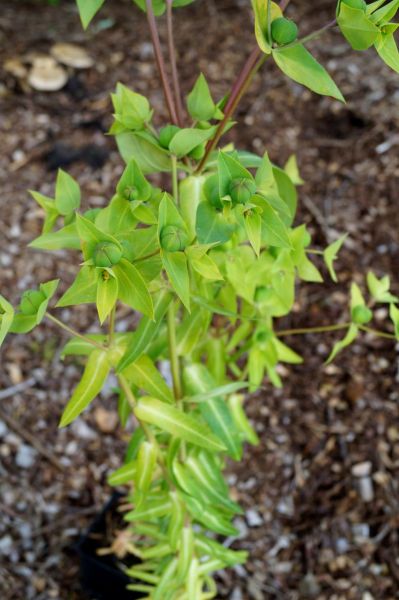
column 101, row 577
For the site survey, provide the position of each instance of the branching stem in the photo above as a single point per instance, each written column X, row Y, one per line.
column 74, row 333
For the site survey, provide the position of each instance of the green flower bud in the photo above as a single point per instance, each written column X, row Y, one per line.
column 284, row 31
column 106, row 254
column 173, row 238
column 361, row 315
column 241, row 190
column 360, row 4
column 167, row 134
column 131, row 193
column 198, row 152
column 30, row 301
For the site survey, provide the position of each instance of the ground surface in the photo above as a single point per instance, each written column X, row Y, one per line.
column 309, row 532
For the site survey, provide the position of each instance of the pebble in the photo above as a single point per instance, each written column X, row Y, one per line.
column 25, row 457
column 5, row 544
column 253, row 518
column 82, row 430
column 3, row 429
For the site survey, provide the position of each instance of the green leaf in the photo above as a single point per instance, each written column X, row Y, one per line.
column 274, row 231
column 330, row 254
column 199, row 102
column 190, row 195
column 91, row 235
column 6, row 318
column 23, row 323
column 221, row 390
column 300, row 66
column 379, row 288
column 212, row 226
column 388, row 51
column 147, row 330
column 83, row 290
column 107, row 294
column 133, row 290
column 144, row 375
column 205, row 266
column 229, row 169
column 215, row 411
column 253, row 227
column 186, row 140
column 88, row 9
column 150, row 157
column 65, row 238
column 261, row 10
column 184, row 426
column 132, row 110
column 117, row 218
column 93, row 379
column 175, row 265
column 292, row 170
column 357, row 27
column 133, row 185
column 48, row 205
column 67, row 193
column 385, row 14
column 347, row 341
column 123, row 475
column 146, row 461
column 240, row 419
column 49, row 288
column 394, row 315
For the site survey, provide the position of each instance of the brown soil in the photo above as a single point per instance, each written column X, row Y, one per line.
column 311, row 534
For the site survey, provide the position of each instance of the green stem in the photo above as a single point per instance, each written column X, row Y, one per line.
column 173, row 354
column 305, row 330
column 74, row 333
column 111, row 327
column 175, row 181
column 382, row 334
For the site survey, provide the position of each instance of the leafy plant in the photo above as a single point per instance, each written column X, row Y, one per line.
column 211, row 264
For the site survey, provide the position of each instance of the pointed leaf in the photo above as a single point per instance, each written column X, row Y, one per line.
column 133, row 290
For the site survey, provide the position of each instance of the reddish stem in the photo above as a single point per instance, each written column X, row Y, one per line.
column 254, row 61
column 160, row 62
column 172, row 58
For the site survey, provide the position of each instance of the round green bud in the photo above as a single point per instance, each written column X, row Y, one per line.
column 241, row 190
column 173, row 238
column 30, row 301
column 360, row 4
column 361, row 315
column 167, row 134
column 106, row 254
column 211, row 191
column 131, row 193
column 198, row 152
column 284, row 31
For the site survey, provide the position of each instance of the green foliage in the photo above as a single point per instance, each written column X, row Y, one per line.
column 209, row 264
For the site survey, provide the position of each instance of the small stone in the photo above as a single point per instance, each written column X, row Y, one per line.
column 5, row 544
column 309, row 586
column 82, row 430
column 253, row 518
column 107, row 420
column 25, row 457
column 362, row 469
column 3, row 429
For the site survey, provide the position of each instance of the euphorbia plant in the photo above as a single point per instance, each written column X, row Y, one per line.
column 210, row 264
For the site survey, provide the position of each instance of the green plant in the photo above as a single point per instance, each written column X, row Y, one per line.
column 211, row 265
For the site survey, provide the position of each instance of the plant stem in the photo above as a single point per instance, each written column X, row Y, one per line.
column 382, row 334
column 173, row 355
column 172, row 58
column 72, row 332
column 252, row 65
column 160, row 62
column 175, row 181
column 305, row 330
column 141, row 258
column 111, row 327
column 311, row 36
